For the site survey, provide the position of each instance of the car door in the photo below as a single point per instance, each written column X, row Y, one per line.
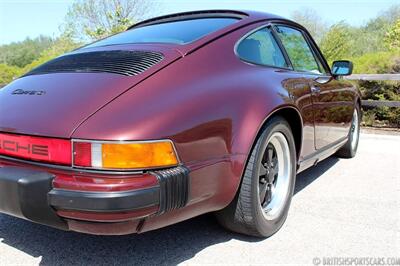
column 332, row 101
column 261, row 47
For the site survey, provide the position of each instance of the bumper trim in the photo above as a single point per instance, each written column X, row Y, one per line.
column 104, row 201
column 29, row 193
column 23, row 193
column 174, row 188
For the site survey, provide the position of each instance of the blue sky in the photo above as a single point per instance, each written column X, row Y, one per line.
column 22, row 18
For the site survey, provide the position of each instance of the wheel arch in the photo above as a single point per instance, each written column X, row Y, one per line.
column 292, row 115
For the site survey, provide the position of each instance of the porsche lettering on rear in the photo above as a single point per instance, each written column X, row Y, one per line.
column 16, row 147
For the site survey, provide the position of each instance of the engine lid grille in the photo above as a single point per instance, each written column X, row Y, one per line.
column 127, row 63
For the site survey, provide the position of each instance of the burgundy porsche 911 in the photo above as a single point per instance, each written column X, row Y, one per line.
column 180, row 115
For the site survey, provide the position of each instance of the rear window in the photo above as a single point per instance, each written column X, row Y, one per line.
column 177, row 32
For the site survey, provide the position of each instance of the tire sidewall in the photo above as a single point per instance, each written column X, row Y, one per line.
column 354, row 150
column 264, row 226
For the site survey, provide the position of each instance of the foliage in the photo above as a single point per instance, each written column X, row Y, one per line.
column 310, row 19
column 368, row 38
column 392, row 38
column 62, row 45
column 22, row 53
column 380, row 62
column 337, row 42
column 369, row 118
column 8, row 73
column 377, row 63
column 90, row 20
column 381, row 90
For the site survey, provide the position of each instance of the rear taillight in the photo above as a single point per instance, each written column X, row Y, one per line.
column 101, row 155
column 124, row 155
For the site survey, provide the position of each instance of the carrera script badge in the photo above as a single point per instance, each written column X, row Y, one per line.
column 26, row 92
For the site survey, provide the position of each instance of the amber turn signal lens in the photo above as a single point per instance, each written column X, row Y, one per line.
column 139, row 155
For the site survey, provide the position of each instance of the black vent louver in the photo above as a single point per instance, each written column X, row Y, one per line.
column 127, row 63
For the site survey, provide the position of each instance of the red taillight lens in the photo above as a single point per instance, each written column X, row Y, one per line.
column 50, row 150
column 83, row 154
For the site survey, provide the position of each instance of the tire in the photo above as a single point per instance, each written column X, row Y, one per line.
column 245, row 214
column 349, row 150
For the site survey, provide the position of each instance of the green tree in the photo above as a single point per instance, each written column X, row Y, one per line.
column 310, row 19
column 22, row 53
column 90, row 20
column 8, row 73
column 62, row 45
column 368, row 38
column 392, row 38
column 337, row 43
column 377, row 63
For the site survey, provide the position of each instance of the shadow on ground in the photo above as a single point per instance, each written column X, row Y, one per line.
column 170, row 245
column 310, row 175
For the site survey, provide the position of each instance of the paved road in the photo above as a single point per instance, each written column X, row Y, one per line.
column 347, row 208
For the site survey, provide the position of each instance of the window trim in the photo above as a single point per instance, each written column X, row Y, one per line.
column 265, row 26
column 190, row 15
column 91, row 45
column 315, row 52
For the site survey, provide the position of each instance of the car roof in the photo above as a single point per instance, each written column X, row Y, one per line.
column 244, row 17
column 249, row 16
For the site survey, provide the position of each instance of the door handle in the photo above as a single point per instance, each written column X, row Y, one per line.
column 315, row 90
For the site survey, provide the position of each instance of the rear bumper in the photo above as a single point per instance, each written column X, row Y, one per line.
column 29, row 193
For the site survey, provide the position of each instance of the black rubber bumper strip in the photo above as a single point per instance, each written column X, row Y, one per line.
column 104, row 201
column 23, row 194
column 174, row 188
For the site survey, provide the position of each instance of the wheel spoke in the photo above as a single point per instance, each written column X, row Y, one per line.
column 267, row 196
column 274, row 161
column 270, row 154
column 263, row 192
column 276, row 168
column 263, row 170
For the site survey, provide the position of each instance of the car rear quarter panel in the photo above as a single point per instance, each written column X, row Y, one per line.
column 212, row 105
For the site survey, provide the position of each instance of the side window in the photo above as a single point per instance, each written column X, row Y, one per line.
column 261, row 48
column 298, row 50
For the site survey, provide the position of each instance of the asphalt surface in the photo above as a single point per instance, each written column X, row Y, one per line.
column 341, row 208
